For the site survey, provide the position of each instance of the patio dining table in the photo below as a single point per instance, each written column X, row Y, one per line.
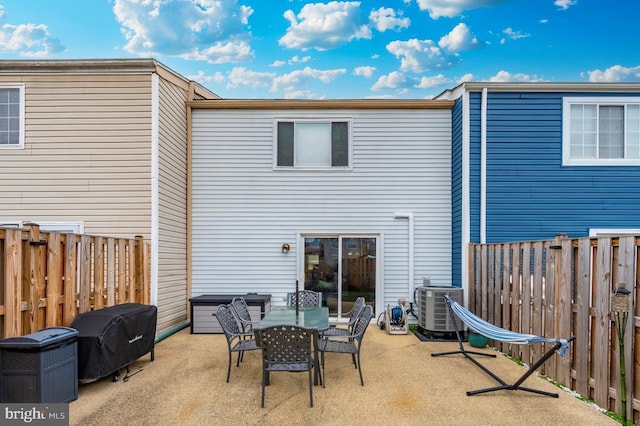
column 316, row 317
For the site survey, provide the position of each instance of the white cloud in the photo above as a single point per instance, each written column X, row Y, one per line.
column 365, row 71
column 421, row 55
column 205, row 79
column 544, row 21
column 460, row 38
column 393, row 80
column 202, row 30
column 506, row 76
column 294, row 60
column 301, row 94
column 565, row 4
column 221, row 52
column 296, row 79
column 324, row 26
column 385, row 19
column 242, row 77
column 616, row 73
column 453, row 8
column 29, row 40
column 466, row 77
column 428, row 82
column 514, row 35
column 299, row 60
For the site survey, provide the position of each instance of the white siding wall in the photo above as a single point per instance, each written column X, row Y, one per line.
column 244, row 210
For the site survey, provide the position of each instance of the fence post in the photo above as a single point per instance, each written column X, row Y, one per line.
column 13, row 283
column 71, row 279
column 55, row 265
column 139, row 287
column 563, row 305
column 37, row 273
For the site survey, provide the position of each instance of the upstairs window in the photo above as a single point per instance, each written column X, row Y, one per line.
column 312, row 144
column 11, row 116
column 601, row 131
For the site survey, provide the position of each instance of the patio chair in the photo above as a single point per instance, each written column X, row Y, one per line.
column 288, row 348
column 351, row 345
column 237, row 341
column 305, row 298
column 342, row 329
column 242, row 311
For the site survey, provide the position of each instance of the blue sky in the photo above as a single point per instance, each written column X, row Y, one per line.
column 338, row 49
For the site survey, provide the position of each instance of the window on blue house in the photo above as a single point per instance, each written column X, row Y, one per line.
column 601, row 131
column 11, row 116
column 312, row 144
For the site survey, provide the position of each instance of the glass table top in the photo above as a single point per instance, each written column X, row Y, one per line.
column 316, row 317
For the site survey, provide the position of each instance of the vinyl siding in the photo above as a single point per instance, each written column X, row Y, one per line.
column 244, row 210
column 474, row 166
column 86, row 155
column 172, row 200
column 530, row 195
column 456, row 193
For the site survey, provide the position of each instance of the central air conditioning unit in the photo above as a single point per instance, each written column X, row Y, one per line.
column 434, row 314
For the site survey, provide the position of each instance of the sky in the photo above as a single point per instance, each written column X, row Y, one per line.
column 294, row 49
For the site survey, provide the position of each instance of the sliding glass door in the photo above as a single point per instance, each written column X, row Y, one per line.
column 342, row 268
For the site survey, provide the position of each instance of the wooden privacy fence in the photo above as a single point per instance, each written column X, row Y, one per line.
column 48, row 278
column 563, row 288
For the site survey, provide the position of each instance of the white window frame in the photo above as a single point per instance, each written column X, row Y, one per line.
column 20, row 144
column 566, row 129
column 601, row 232
column 327, row 120
column 72, row 226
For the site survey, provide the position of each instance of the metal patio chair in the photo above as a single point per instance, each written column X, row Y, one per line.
column 236, row 340
column 345, row 329
column 242, row 311
column 351, row 345
column 305, row 298
column 288, row 348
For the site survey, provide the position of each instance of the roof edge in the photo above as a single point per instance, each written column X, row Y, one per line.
column 97, row 66
column 338, row 104
column 28, row 66
column 474, row 86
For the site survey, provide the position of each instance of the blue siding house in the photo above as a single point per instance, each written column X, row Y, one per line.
column 534, row 160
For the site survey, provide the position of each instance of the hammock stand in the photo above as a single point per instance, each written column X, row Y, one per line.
column 487, row 329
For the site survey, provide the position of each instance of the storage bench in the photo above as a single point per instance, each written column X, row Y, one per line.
column 202, row 308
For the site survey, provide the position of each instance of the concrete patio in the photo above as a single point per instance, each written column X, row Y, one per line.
column 404, row 385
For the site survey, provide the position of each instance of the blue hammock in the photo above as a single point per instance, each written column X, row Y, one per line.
column 489, row 330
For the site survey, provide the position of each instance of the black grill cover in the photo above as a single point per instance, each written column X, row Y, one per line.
column 112, row 338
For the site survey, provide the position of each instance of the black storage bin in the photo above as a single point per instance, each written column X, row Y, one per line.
column 202, row 322
column 40, row 367
column 110, row 339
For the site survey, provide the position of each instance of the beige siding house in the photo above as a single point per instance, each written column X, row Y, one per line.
column 101, row 147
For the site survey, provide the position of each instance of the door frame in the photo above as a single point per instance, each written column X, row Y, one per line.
column 379, row 292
